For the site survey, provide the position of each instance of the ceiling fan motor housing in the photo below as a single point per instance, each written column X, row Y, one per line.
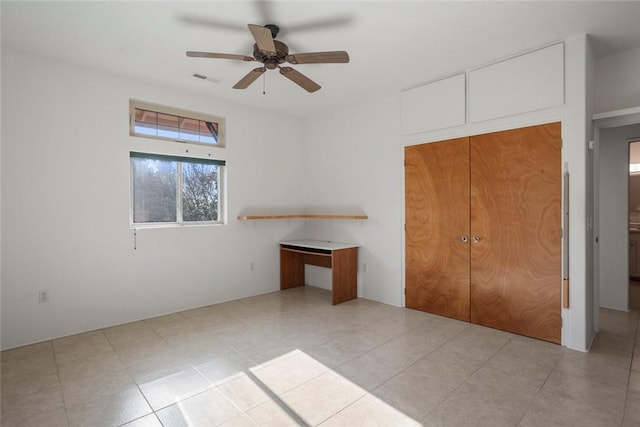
column 270, row 60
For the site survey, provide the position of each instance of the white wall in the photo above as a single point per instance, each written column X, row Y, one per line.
column 65, row 204
column 614, row 211
column 618, row 81
column 592, row 302
column 354, row 159
column 578, row 328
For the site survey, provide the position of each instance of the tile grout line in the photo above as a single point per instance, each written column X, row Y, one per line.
column 542, row 386
column 466, row 380
column 115, row 352
column 64, row 403
column 626, row 397
column 343, row 409
column 272, row 396
column 182, row 356
column 277, row 399
column 189, row 363
column 422, row 358
column 398, row 336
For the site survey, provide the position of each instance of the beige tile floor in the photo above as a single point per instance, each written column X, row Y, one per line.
column 634, row 295
column 291, row 358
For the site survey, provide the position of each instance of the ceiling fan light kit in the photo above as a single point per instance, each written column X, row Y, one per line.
column 272, row 53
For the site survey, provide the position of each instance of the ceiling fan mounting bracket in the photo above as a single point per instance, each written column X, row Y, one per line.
column 274, row 30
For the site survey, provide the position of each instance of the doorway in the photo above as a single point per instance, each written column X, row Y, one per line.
column 613, row 212
column 634, row 224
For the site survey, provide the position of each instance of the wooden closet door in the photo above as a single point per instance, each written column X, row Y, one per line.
column 437, row 216
column 516, row 213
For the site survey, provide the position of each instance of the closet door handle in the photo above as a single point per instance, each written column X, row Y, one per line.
column 464, row 239
column 476, row 239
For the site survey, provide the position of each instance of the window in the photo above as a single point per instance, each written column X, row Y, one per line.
column 154, row 121
column 175, row 190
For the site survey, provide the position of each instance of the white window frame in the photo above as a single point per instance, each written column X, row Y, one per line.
column 133, row 104
column 179, row 181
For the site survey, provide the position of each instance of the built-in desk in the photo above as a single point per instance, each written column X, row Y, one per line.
column 341, row 258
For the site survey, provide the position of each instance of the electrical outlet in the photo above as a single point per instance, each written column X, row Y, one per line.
column 43, row 295
column 252, row 266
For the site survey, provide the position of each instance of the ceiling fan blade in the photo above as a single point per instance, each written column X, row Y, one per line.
column 213, row 23
column 251, row 77
column 334, row 57
column 193, row 54
column 264, row 39
column 300, row 79
column 320, row 24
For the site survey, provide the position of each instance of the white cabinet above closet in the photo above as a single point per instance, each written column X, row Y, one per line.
column 529, row 82
column 436, row 105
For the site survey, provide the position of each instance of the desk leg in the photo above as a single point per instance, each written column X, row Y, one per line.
column 291, row 269
column 344, row 275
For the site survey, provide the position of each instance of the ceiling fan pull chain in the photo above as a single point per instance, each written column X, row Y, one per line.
column 264, row 83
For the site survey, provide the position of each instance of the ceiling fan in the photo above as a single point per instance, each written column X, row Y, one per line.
column 272, row 53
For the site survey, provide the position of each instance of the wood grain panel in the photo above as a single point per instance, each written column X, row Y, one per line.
column 516, row 275
column 291, row 269
column 317, row 259
column 344, row 275
column 437, row 214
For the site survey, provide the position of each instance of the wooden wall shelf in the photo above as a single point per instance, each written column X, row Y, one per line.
column 299, row 216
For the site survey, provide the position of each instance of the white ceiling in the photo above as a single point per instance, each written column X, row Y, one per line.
column 393, row 45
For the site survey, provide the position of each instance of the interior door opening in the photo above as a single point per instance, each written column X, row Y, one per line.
column 634, row 224
column 616, row 213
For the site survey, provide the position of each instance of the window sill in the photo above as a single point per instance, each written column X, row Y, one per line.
column 299, row 216
column 173, row 225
